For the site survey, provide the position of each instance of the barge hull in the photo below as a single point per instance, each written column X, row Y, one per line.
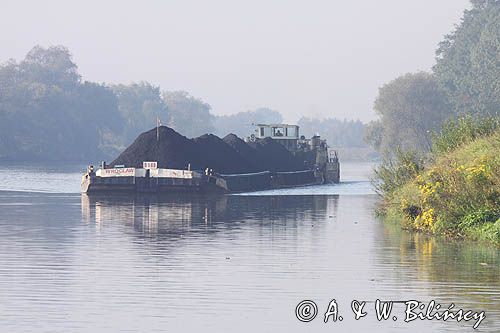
column 235, row 183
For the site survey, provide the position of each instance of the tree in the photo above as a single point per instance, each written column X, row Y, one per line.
column 410, row 107
column 338, row 133
column 188, row 115
column 139, row 104
column 101, row 119
column 373, row 134
column 47, row 113
column 52, row 66
column 468, row 63
column 241, row 123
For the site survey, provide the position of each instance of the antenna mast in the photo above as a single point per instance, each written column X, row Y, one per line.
column 158, row 124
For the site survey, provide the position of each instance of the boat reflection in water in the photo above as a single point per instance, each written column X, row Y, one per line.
column 177, row 214
column 263, row 254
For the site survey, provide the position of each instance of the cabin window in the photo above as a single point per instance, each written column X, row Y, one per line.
column 262, row 132
column 278, row 131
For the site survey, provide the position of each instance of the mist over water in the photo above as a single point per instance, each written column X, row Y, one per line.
column 79, row 263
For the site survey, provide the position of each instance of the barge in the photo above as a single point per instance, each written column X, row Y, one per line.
column 321, row 166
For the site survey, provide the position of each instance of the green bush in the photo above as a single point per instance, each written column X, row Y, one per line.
column 455, row 133
column 396, row 170
column 481, row 216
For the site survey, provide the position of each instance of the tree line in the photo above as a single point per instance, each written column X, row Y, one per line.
column 47, row 112
column 465, row 81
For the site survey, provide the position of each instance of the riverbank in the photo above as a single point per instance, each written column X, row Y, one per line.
column 455, row 193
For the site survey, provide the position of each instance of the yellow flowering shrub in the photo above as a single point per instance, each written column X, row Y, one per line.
column 457, row 193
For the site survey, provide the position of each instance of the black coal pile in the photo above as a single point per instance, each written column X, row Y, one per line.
column 221, row 157
column 249, row 153
column 228, row 155
column 275, row 157
column 172, row 150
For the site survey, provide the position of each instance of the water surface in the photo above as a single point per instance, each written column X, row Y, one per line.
column 77, row 263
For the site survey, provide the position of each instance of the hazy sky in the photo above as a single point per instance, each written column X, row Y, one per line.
column 316, row 58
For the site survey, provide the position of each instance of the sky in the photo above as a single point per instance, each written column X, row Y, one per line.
column 302, row 58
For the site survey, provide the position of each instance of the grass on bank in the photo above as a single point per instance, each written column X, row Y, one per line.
column 456, row 191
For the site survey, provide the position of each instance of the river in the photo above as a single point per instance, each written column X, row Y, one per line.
column 78, row 263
